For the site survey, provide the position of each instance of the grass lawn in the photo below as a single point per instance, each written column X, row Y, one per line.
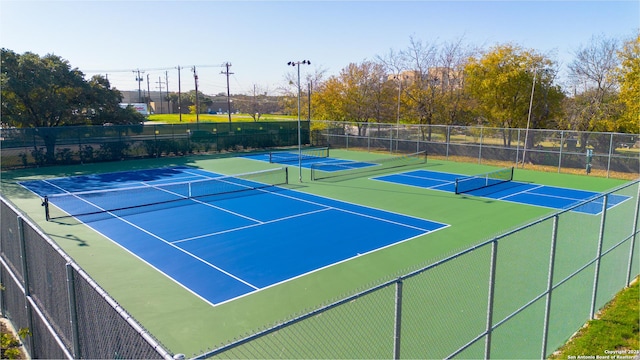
column 191, row 118
column 614, row 332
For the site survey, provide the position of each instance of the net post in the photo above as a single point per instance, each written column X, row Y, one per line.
column 45, row 203
column 286, row 175
column 398, row 320
column 511, row 173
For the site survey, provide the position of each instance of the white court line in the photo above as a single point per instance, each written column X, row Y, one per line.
column 249, row 226
column 325, row 207
column 521, row 192
column 433, row 187
column 162, row 239
column 206, row 204
column 360, row 214
column 170, row 244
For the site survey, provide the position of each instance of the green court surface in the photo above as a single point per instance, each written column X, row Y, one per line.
column 188, row 325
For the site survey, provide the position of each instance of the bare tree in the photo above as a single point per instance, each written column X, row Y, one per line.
column 594, row 65
column 259, row 102
column 592, row 74
column 455, row 102
column 420, row 92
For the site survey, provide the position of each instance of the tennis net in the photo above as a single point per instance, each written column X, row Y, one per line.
column 480, row 181
column 292, row 156
column 352, row 169
column 101, row 201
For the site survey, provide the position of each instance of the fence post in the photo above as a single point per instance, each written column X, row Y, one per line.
column 391, row 141
column 398, row 320
column 25, row 279
column 633, row 235
column 490, row 298
column 73, row 313
column 610, row 154
column 23, row 256
column 2, row 312
column 547, row 306
column 480, row 150
column 518, row 149
column 598, row 259
column 561, row 147
column 448, row 140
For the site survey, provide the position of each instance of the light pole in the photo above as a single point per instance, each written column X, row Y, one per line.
column 399, row 79
column 526, row 133
column 297, row 63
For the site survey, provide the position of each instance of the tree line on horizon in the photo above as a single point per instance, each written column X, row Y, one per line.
column 450, row 83
column 505, row 86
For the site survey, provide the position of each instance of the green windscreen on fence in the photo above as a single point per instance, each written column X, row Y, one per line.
column 65, row 145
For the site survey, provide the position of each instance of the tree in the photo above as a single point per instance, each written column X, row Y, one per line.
column 628, row 76
column 311, row 81
column 501, row 82
column 430, row 82
column 420, row 90
column 254, row 105
column 594, row 106
column 44, row 92
column 455, row 103
column 361, row 93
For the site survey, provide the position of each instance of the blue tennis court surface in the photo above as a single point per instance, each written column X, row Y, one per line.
column 513, row 191
column 232, row 244
column 329, row 164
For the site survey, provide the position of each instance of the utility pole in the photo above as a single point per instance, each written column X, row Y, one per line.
column 160, row 82
column 139, row 80
column 149, row 93
column 166, row 81
column 179, row 96
column 195, row 78
column 228, row 65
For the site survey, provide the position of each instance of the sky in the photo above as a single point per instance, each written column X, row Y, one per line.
column 259, row 38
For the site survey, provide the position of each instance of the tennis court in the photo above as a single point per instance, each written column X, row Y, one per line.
column 223, row 237
column 323, row 166
column 498, row 185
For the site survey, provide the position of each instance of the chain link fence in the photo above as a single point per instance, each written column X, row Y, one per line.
column 519, row 295
column 558, row 149
column 30, row 147
column 66, row 312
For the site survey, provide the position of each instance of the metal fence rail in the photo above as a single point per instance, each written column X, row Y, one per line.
column 561, row 149
column 519, row 295
column 67, row 313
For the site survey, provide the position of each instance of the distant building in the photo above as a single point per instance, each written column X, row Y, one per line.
column 441, row 77
column 142, row 108
column 157, row 100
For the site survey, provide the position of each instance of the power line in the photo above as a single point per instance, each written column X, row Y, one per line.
column 144, row 69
